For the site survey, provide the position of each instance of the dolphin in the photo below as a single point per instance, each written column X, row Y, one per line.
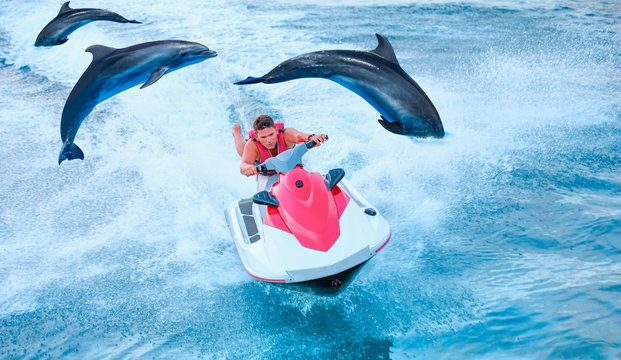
column 68, row 20
column 376, row 76
column 115, row 70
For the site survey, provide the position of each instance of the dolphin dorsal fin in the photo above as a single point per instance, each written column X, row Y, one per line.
column 384, row 49
column 64, row 8
column 99, row 51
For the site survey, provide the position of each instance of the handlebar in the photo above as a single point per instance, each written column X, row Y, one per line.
column 262, row 169
column 312, row 144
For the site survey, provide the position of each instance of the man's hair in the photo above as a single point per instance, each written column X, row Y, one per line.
column 263, row 122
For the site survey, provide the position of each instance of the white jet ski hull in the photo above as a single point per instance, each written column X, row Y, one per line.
column 276, row 256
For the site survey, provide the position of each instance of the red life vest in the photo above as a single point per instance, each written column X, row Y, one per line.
column 281, row 146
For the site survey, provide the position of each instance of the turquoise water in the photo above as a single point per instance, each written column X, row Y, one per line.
column 506, row 234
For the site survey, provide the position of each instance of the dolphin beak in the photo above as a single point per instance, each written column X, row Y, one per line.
column 207, row 53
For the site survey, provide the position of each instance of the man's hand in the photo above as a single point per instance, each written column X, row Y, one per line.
column 248, row 169
column 236, row 130
column 318, row 139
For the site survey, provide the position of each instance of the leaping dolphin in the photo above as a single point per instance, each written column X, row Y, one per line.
column 115, row 70
column 68, row 20
column 374, row 75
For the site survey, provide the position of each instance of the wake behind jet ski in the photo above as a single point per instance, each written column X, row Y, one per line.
column 305, row 230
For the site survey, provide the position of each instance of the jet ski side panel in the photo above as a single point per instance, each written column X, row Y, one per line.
column 252, row 254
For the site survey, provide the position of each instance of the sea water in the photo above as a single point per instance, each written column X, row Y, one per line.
column 506, row 235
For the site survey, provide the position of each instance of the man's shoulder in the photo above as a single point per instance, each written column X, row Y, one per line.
column 250, row 151
column 290, row 134
column 290, row 131
column 250, row 144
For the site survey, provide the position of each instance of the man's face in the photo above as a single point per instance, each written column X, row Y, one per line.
column 268, row 137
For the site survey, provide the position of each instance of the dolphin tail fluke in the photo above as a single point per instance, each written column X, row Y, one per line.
column 70, row 151
column 393, row 127
column 251, row 80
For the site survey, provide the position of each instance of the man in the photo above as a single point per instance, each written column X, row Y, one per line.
column 267, row 139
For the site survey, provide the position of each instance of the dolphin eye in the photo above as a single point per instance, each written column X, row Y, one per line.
column 184, row 54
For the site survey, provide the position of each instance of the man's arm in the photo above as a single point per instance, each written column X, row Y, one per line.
column 293, row 136
column 248, row 158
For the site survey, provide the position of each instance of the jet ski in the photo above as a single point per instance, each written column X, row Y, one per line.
column 304, row 230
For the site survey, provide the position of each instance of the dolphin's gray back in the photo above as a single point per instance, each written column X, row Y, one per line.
column 359, row 67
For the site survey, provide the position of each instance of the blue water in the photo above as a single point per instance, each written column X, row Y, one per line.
column 506, row 234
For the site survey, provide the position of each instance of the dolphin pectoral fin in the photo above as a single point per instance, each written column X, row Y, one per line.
column 155, row 76
column 61, row 41
column 393, row 127
column 250, row 80
column 70, row 151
